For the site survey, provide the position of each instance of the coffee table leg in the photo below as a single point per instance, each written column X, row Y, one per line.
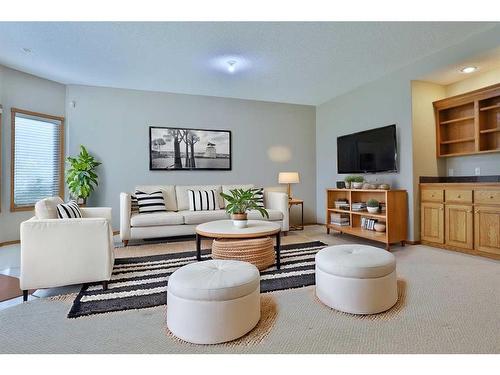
column 278, row 249
column 198, row 246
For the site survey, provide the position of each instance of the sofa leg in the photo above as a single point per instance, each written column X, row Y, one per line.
column 125, row 243
column 105, row 285
column 285, row 233
column 25, row 295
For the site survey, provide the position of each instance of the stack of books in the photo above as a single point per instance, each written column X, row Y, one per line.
column 342, row 204
column 382, row 207
column 367, row 223
column 340, row 219
column 359, row 206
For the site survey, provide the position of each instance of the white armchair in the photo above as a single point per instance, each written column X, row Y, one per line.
column 57, row 252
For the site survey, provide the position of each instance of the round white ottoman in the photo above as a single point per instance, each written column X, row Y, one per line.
column 213, row 301
column 356, row 279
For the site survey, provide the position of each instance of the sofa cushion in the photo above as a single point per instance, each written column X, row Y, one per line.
column 227, row 188
column 155, row 219
column 47, row 208
column 181, row 192
column 150, row 202
column 274, row 215
column 168, row 194
column 198, row 217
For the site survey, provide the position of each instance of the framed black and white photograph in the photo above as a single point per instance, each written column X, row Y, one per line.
column 189, row 149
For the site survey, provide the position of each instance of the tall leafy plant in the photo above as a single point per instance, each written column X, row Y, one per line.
column 80, row 175
column 241, row 201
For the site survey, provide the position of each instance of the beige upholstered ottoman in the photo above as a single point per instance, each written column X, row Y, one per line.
column 258, row 251
column 357, row 279
column 213, row 301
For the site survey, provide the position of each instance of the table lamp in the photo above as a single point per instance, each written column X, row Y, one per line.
column 289, row 178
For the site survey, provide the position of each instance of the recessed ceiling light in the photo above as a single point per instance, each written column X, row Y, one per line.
column 468, row 69
column 231, row 66
column 27, row 50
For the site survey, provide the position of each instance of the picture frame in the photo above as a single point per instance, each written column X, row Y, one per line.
column 189, row 149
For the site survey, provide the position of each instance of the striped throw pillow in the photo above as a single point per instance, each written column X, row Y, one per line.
column 259, row 194
column 150, row 202
column 203, row 200
column 68, row 210
column 134, row 206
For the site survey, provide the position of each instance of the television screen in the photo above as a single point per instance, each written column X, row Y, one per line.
column 369, row 151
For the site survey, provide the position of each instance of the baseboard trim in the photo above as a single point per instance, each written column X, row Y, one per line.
column 413, row 242
column 7, row 243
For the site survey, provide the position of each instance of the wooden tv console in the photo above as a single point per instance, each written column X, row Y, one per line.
column 395, row 217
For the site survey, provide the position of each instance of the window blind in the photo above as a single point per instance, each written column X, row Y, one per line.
column 37, row 159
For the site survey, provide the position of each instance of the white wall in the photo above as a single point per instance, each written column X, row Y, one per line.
column 114, row 124
column 28, row 92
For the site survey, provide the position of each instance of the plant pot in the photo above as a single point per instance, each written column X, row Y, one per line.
column 379, row 227
column 357, row 185
column 372, row 210
column 240, row 220
column 347, row 185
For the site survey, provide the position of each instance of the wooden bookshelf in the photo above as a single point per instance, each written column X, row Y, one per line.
column 395, row 216
column 468, row 124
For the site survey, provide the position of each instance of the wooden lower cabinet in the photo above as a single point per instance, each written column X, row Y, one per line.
column 432, row 222
column 459, row 230
column 487, row 229
column 466, row 219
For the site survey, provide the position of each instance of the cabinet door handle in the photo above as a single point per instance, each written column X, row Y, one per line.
column 459, row 196
column 491, row 196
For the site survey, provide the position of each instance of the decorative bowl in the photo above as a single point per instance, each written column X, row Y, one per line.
column 379, row 227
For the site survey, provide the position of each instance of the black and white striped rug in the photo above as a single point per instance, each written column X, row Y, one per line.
column 141, row 282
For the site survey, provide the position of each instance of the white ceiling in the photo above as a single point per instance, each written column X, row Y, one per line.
column 306, row 63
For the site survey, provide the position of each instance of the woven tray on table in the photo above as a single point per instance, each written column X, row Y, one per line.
column 258, row 251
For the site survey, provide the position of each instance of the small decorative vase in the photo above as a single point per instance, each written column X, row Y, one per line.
column 372, row 210
column 240, row 220
column 357, row 185
column 347, row 185
column 379, row 227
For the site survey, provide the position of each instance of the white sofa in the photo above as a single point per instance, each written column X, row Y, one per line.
column 180, row 221
column 57, row 252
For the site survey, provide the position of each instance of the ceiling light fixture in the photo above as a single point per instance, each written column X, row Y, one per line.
column 231, row 66
column 468, row 69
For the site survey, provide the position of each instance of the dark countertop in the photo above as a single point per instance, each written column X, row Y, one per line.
column 455, row 179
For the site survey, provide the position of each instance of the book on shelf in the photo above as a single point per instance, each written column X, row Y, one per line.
column 368, row 223
column 340, row 219
column 342, row 204
column 358, row 206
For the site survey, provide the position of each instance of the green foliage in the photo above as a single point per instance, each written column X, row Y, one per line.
column 354, row 179
column 80, row 176
column 372, row 203
column 240, row 201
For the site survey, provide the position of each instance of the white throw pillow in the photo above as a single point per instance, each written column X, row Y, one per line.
column 47, row 208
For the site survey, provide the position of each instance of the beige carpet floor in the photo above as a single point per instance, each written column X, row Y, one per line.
column 450, row 303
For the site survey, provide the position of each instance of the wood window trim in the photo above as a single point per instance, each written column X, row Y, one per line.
column 13, row 112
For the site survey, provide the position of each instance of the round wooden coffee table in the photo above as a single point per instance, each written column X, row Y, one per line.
column 224, row 229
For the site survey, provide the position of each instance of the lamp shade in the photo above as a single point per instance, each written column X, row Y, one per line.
column 288, row 178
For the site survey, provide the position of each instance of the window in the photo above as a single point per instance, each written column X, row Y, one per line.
column 37, row 158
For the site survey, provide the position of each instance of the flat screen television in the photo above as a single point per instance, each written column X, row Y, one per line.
column 369, row 151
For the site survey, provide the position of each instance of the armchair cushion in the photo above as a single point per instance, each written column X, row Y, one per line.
column 47, row 208
column 157, row 218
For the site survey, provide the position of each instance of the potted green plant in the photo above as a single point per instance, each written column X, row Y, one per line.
column 80, row 175
column 239, row 202
column 372, row 205
column 354, row 182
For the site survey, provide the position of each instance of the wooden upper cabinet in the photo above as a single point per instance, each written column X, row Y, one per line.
column 458, row 226
column 487, row 229
column 432, row 222
column 469, row 123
